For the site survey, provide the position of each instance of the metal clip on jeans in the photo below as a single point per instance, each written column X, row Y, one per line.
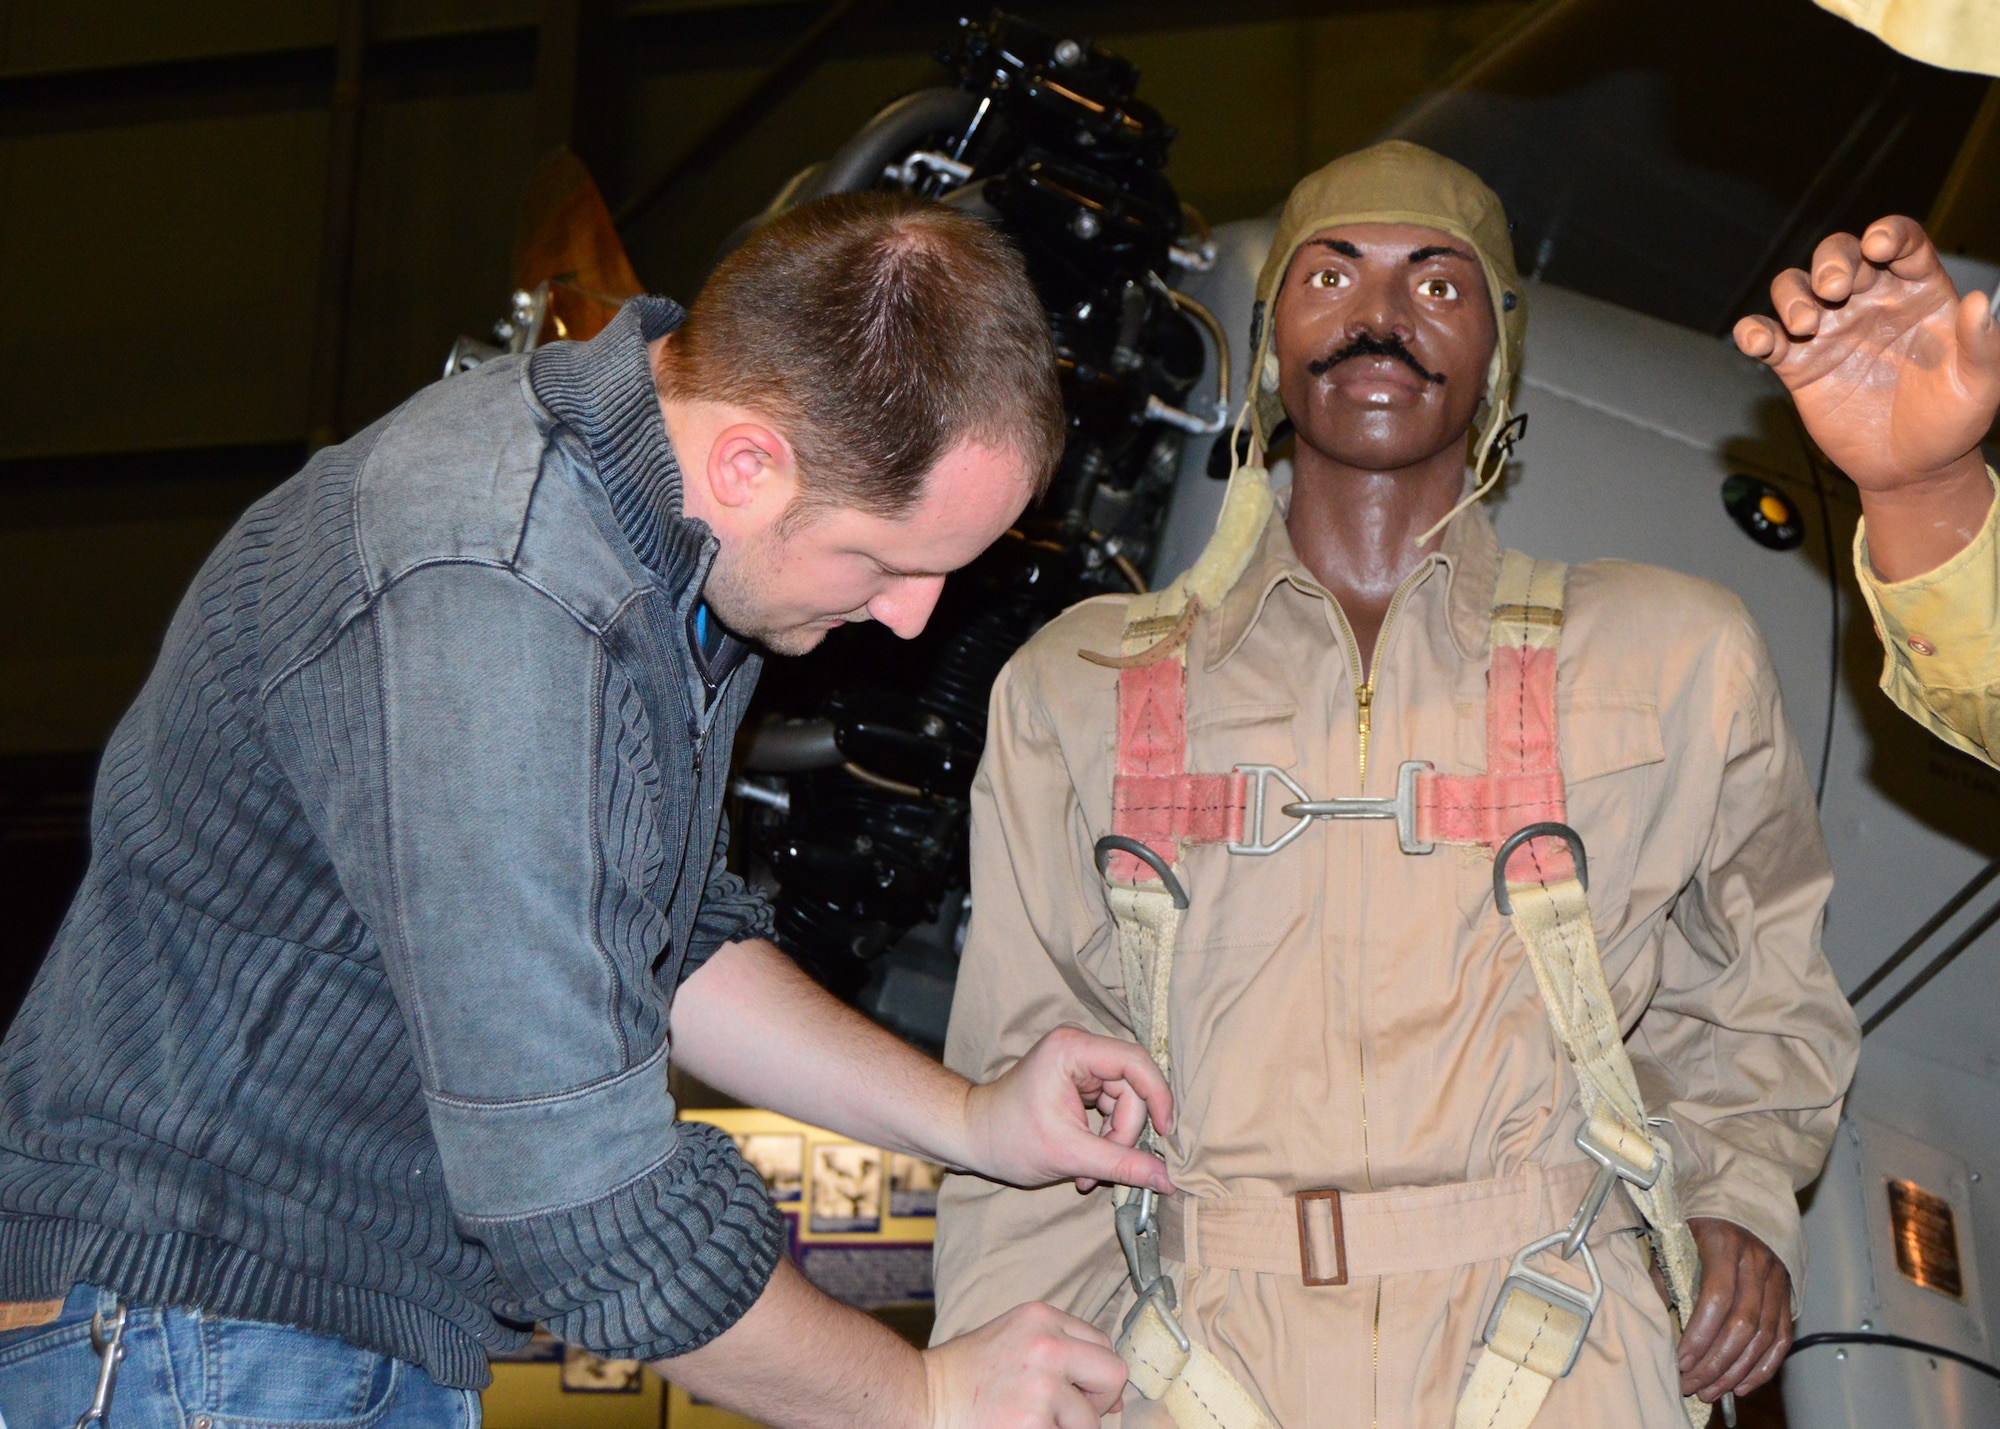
column 110, row 1347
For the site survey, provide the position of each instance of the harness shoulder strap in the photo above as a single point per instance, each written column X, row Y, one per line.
column 1158, row 809
column 1535, row 1331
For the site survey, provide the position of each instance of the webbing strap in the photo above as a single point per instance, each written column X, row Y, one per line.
column 1523, row 782
column 1191, row 1384
column 1553, row 921
column 1153, row 797
column 1148, row 925
column 1551, row 915
column 1501, row 1393
column 1158, row 802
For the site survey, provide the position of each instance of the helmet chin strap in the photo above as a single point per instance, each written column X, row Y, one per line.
column 1493, row 451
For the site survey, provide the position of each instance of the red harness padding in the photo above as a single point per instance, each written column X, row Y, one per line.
column 1523, row 782
column 1153, row 797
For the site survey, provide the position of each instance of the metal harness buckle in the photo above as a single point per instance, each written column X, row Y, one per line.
column 1550, row 1291
column 1611, row 1169
column 1139, row 1236
column 1402, row 808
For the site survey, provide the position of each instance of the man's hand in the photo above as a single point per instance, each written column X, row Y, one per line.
column 1742, row 1324
column 1032, row 1367
column 1897, row 378
column 798, row 1360
column 750, row 1024
column 1031, row 1125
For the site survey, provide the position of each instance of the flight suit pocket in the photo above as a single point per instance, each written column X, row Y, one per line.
column 1219, row 739
column 1612, row 758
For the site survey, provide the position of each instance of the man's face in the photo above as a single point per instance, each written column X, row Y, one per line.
column 1383, row 336
column 787, row 588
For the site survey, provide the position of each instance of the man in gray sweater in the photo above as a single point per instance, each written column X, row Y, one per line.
column 348, row 1065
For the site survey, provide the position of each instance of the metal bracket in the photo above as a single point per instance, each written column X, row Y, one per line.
column 1611, row 1169
column 1139, row 1236
column 1304, row 808
column 1535, row 831
column 1119, row 843
column 1547, row 1288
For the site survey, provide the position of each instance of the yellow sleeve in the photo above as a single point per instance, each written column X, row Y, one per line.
column 1941, row 635
column 1952, row 34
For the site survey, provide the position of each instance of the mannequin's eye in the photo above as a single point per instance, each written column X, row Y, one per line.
column 1438, row 288
column 1328, row 278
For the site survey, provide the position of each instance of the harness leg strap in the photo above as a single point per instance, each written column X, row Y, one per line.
column 1185, row 1378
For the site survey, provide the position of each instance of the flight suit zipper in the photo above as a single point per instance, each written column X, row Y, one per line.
column 1364, row 727
column 1364, row 679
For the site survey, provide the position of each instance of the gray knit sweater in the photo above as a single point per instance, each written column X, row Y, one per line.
column 359, row 1020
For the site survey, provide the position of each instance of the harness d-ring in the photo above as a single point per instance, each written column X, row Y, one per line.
column 1535, row 831
column 1119, row 843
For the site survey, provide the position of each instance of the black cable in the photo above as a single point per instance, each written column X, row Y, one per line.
column 1896, row 1342
column 1936, row 965
column 1936, row 921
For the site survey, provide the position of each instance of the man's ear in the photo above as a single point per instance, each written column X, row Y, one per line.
column 751, row 465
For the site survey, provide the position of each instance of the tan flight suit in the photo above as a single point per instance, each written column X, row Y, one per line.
column 1940, row 634
column 1348, row 1016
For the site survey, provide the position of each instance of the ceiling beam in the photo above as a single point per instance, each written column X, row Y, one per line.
column 505, row 58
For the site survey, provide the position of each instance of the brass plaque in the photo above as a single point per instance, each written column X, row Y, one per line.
column 1926, row 1238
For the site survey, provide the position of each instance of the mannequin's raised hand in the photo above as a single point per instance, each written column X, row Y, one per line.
column 1896, row 376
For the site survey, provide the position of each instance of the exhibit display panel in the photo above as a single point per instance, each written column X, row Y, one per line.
column 859, row 1223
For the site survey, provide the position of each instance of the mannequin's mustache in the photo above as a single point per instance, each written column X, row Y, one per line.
column 1368, row 345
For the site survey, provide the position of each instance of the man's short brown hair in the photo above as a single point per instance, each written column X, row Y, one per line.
column 877, row 332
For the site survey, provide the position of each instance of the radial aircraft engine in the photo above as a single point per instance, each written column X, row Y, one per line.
column 853, row 792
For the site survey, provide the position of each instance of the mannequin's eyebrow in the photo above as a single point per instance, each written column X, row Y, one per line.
column 1439, row 250
column 1340, row 246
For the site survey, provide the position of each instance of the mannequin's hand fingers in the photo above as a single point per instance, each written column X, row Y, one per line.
column 1901, row 245
column 1792, row 299
column 1978, row 333
column 1838, row 269
column 1762, row 339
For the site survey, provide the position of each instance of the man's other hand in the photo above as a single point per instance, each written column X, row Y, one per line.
column 1031, row 1125
column 1741, row 1329
column 1896, row 376
column 1031, row 1368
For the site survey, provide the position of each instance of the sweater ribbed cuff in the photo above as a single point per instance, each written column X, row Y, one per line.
column 654, row 1269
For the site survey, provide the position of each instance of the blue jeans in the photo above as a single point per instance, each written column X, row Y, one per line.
column 186, row 1370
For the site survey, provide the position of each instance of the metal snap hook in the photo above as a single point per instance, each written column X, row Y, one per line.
column 1535, row 831
column 1119, row 843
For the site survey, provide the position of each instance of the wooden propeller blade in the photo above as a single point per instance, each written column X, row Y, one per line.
column 567, row 240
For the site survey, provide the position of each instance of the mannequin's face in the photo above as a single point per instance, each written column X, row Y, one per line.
column 1383, row 334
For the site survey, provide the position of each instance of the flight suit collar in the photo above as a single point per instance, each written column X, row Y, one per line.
column 1469, row 560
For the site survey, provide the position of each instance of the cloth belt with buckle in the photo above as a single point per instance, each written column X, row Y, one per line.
column 1329, row 1237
